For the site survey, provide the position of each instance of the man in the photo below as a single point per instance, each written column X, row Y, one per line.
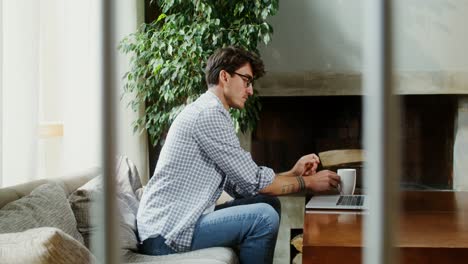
column 202, row 157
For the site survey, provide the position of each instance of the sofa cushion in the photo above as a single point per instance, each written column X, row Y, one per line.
column 81, row 202
column 70, row 181
column 214, row 255
column 45, row 206
column 42, row 245
column 127, row 184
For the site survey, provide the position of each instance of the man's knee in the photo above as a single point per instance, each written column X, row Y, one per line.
column 269, row 215
column 273, row 201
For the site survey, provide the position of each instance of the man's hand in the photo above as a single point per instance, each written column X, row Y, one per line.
column 306, row 165
column 322, row 181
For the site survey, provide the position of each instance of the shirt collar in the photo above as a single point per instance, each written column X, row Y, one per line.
column 212, row 95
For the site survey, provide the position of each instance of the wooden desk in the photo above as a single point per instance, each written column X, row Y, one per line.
column 433, row 229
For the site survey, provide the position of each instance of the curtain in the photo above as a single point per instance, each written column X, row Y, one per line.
column 51, row 104
column 1, row 92
column 20, row 87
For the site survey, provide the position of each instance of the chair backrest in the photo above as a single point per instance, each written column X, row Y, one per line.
column 341, row 158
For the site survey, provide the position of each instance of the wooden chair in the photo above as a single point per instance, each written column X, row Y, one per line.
column 341, row 158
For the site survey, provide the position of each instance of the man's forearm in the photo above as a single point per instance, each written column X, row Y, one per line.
column 283, row 184
column 285, row 174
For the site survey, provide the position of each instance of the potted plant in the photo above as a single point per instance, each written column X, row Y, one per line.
column 168, row 56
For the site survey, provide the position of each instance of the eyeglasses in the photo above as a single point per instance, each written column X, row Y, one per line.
column 248, row 80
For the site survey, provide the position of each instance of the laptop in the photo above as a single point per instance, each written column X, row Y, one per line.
column 338, row 202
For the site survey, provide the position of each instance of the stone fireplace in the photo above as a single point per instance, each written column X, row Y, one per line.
column 312, row 112
column 290, row 127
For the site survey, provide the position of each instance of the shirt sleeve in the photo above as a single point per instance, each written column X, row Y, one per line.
column 215, row 134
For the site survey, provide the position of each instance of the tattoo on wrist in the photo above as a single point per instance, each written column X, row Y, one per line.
column 301, row 182
column 287, row 188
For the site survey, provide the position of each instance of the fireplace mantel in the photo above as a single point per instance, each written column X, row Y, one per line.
column 350, row 83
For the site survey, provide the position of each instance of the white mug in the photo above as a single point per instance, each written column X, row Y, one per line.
column 348, row 181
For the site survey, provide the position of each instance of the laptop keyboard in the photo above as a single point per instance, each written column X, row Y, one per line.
column 350, row 200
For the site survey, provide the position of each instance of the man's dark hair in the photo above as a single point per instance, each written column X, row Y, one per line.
column 230, row 59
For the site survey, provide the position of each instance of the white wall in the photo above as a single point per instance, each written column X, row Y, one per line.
column 431, row 35
column 315, row 35
column 130, row 15
column 326, row 35
column 82, row 128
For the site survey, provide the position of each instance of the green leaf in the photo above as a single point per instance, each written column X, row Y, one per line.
column 169, row 50
column 163, row 71
column 266, row 38
column 161, row 17
column 239, row 8
column 167, row 57
column 264, row 14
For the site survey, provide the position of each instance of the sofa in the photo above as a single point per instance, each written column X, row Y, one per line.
column 49, row 221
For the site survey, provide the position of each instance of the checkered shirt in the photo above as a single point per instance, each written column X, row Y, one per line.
column 200, row 158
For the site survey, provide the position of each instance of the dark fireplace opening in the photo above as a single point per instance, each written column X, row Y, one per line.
column 290, row 127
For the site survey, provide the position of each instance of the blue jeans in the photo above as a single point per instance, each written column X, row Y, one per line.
column 250, row 223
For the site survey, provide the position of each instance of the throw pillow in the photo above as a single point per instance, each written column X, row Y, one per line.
column 139, row 193
column 43, row 245
column 127, row 176
column 45, row 206
column 128, row 182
